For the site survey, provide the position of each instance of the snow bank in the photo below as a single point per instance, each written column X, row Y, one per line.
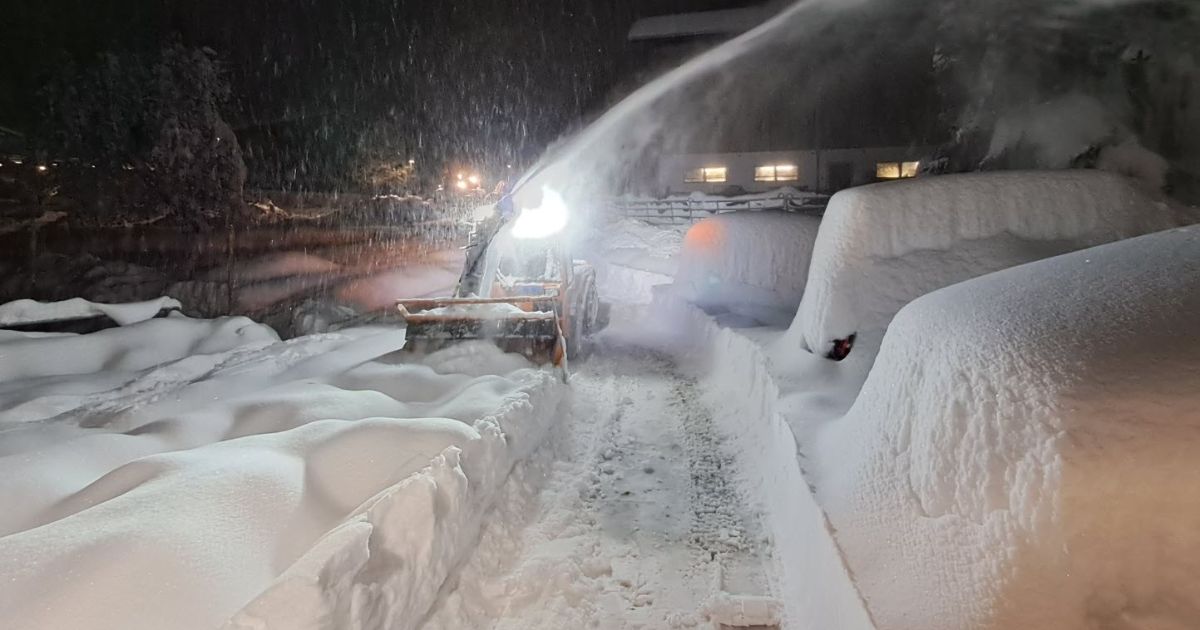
column 814, row 585
column 1023, row 453
column 182, row 473
column 750, row 262
column 30, row 311
column 881, row 246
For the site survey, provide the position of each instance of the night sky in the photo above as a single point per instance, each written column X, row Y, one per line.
column 489, row 81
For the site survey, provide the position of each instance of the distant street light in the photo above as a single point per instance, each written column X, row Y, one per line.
column 42, row 168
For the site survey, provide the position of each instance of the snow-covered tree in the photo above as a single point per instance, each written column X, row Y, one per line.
column 1052, row 84
column 152, row 130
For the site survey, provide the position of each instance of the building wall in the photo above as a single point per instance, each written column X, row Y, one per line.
column 818, row 170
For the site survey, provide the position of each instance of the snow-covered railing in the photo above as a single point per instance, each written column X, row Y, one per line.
column 688, row 209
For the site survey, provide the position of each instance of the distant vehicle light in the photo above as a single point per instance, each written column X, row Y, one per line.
column 474, row 179
column 460, row 175
column 545, row 220
column 42, row 168
column 460, row 184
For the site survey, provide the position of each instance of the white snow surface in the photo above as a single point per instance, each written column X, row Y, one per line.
column 752, row 263
column 496, row 310
column 31, row 311
column 631, row 234
column 1022, row 454
column 881, row 246
column 180, row 473
column 761, row 410
column 633, row 519
column 632, row 257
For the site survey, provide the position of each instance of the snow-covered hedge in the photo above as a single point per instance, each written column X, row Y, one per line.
column 751, row 262
column 883, row 245
column 1024, row 451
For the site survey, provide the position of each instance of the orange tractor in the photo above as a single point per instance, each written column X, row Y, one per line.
column 519, row 288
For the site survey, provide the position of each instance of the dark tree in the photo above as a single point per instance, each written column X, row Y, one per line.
column 148, row 136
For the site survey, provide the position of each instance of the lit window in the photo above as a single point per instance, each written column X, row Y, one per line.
column 708, row 174
column 896, row 170
column 776, row 173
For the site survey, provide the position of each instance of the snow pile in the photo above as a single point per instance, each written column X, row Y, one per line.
column 30, row 311
column 181, row 473
column 1023, row 454
column 755, row 263
column 631, row 234
column 881, row 246
column 633, row 257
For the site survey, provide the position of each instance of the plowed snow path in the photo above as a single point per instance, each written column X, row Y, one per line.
column 637, row 516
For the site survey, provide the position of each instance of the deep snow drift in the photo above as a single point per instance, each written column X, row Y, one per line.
column 177, row 473
column 750, row 263
column 1023, row 453
column 881, row 246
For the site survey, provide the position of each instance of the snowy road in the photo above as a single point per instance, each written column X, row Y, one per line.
column 637, row 523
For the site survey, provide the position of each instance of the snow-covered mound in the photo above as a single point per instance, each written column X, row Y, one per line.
column 637, row 236
column 180, row 473
column 750, row 262
column 632, row 257
column 30, row 311
column 881, row 246
column 1023, row 453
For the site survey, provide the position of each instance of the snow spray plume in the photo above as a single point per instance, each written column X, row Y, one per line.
column 851, row 72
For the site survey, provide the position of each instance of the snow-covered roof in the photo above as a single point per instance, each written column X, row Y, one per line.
column 722, row 22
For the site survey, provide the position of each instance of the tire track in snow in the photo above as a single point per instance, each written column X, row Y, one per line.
column 638, row 510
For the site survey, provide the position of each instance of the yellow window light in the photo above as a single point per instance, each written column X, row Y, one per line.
column 887, row 170
column 776, row 173
column 706, row 175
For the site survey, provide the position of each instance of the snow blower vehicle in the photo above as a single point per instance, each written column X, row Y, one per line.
column 519, row 288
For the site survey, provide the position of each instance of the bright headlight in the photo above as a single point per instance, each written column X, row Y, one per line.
column 545, row 220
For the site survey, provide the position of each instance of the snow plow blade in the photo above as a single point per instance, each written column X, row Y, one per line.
column 531, row 331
